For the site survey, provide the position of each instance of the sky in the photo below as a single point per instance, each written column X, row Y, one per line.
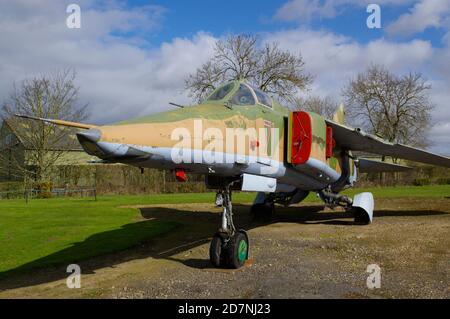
column 131, row 57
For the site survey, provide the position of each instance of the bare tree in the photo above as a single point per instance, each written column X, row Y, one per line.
column 239, row 57
column 394, row 107
column 53, row 96
column 313, row 103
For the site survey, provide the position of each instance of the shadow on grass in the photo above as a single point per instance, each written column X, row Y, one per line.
column 103, row 243
column 156, row 237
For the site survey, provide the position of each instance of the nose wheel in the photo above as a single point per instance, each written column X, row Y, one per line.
column 229, row 247
column 238, row 250
column 229, row 251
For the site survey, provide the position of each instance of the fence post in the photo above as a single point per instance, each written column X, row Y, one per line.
column 164, row 181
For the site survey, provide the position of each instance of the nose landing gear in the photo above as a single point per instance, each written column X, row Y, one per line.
column 229, row 247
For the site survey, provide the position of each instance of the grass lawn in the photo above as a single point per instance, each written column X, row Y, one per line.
column 56, row 231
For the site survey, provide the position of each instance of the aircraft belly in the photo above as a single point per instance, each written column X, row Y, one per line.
column 318, row 170
column 309, row 176
column 225, row 164
column 301, row 180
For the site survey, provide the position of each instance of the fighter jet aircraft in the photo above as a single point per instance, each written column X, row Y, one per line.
column 242, row 139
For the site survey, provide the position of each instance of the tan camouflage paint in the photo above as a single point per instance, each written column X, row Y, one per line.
column 159, row 134
column 156, row 130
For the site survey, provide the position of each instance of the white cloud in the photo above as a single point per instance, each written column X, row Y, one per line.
column 439, row 134
column 120, row 77
column 334, row 59
column 307, row 10
column 440, row 138
column 424, row 14
column 123, row 77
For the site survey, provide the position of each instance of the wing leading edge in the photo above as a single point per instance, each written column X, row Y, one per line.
column 357, row 140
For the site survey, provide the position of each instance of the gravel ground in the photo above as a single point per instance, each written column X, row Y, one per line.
column 305, row 252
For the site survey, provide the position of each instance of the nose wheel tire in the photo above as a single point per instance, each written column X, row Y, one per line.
column 216, row 251
column 231, row 253
column 237, row 250
column 229, row 246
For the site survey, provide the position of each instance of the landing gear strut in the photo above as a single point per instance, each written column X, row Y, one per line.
column 361, row 206
column 229, row 247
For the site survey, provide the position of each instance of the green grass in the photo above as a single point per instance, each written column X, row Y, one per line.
column 404, row 191
column 57, row 231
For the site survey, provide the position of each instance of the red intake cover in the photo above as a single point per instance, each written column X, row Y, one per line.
column 329, row 150
column 301, row 137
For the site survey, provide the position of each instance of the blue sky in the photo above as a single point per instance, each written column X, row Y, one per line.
column 132, row 57
column 185, row 18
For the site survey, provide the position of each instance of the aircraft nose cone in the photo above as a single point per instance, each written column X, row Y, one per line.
column 91, row 135
column 88, row 140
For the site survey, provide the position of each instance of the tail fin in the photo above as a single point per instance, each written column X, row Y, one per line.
column 339, row 115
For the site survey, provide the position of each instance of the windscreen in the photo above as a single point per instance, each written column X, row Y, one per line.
column 221, row 92
column 243, row 96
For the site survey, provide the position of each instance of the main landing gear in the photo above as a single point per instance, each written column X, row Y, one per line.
column 361, row 207
column 229, row 247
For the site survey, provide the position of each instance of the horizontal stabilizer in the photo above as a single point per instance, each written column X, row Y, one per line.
column 58, row 122
column 357, row 140
column 371, row 166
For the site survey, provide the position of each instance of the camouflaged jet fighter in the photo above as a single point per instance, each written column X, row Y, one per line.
column 279, row 154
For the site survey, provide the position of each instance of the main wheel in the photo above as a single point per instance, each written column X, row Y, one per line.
column 237, row 249
column 216, row 253
column 361, row 217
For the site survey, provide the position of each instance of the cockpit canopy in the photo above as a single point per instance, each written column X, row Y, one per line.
column 240, row 93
